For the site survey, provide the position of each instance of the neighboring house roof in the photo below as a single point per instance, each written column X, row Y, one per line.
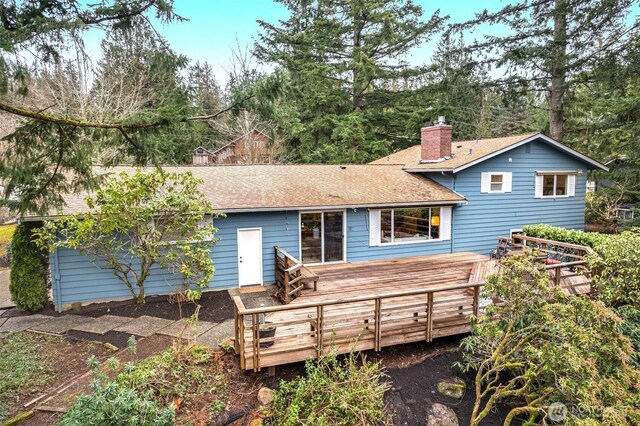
column 465, row 154
column 202, row 149
column 234, row 188
column 233, row 142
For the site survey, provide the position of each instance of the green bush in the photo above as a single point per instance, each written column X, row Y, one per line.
column 29, row 270
column 332, row 392
column 571, row 236
column 616, row 272
column 630, row 327
column 113, row 405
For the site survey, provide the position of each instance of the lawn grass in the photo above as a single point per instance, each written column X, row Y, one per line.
column 6, row 234
column 22, row 363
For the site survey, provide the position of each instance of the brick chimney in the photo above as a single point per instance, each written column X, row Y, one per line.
column 436, row 142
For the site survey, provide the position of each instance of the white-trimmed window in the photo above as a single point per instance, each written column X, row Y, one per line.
column 409, row 225
column 555, row 184
column 495, row 182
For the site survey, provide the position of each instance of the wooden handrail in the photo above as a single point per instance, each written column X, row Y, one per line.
column 289, row 271
column 340, row 301
column 551, row 243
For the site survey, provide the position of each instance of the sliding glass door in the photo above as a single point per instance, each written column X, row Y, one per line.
column 322, row 237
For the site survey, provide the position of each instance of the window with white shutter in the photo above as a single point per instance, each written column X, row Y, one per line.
column 495, row 182
column 555, row 184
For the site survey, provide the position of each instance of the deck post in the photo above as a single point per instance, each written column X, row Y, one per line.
column 378, row 321
column 287, row 296
column 241, row 342
column 429, row 332
column 236, row 340
column 476, row 300
column 275, row 265
column 319, row 329
column 255, row 325
column 557, row 277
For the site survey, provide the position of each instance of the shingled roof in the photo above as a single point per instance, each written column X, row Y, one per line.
column 235, row 188
column 467, row 153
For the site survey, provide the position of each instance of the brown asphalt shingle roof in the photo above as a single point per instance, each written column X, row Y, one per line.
column 274, row 187
column 462, row 152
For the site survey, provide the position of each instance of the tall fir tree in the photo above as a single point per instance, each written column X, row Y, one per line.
column 349, row 78
column 549, row 42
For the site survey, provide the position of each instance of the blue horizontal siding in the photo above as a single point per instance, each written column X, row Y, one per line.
column 477, row 225
column 77, row 279
column 358, row 248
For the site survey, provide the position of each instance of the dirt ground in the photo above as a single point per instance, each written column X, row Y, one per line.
column 69, row 358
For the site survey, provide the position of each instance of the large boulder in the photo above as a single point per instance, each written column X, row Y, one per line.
column 453, row 388
column 265, row 395
column 441, row 415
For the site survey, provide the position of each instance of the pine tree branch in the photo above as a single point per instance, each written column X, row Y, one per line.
column 122, row 127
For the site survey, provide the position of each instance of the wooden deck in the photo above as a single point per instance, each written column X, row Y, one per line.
column 370, row 305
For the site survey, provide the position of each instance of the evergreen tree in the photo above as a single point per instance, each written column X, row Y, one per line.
column 349, row 78
column 550, row 42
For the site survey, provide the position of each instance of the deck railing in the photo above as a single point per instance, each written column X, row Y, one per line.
column 564, row 260
column 291, row 274
column 313, row 329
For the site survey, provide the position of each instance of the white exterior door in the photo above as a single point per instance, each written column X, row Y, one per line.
column 250, row 256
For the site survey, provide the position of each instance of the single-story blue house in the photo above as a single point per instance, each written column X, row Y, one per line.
column 436, row 197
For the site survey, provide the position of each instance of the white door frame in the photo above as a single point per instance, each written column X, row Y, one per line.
column 259, row 258
column 344, row 235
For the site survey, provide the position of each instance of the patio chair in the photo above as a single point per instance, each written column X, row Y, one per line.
column 503, row 248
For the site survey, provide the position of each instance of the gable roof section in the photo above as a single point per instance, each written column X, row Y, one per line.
column 241, row 188
column 465, row 154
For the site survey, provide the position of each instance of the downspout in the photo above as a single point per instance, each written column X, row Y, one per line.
column 55, row 280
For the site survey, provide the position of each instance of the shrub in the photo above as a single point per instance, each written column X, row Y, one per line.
column 332, row 392
column 616, row 276
column 571, row 236
column 153, row 391
column 110, row 404
column 540, row 347
column 630, row 327
column 29, row 270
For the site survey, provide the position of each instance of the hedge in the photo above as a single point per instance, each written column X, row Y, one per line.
column 571, row 236
column 29, row 270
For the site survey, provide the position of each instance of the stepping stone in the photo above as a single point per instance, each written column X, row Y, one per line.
column 60, row 325
column 144, row 326
column 103, row 324
column 189, row 331
column 22, row 323
column 2, row 321
column 217, row 334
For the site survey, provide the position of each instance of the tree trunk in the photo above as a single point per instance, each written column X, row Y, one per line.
column 357, row 96
column 140, row 297
column 558, row 71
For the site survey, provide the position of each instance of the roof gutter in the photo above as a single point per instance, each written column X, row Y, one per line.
column 304, row 208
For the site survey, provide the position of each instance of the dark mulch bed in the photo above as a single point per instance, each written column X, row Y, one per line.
column 116, row 338
column 216, row 306
column 414, row 390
